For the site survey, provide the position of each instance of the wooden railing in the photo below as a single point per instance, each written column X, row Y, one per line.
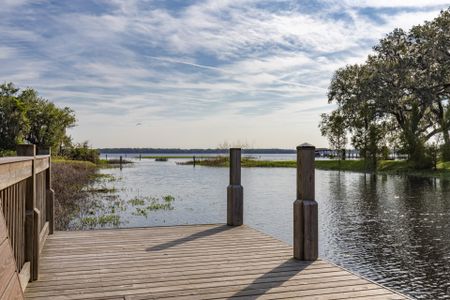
column 27, row 203
column 13, row 205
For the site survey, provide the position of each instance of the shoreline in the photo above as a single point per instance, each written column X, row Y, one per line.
column 397, row 167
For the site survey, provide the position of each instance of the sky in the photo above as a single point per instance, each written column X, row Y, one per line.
column 194, row 74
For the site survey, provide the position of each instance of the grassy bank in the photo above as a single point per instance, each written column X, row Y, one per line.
column 79, row 188
column 99, row 163
column 69, row 181
column 222, row 161
column 385, row 166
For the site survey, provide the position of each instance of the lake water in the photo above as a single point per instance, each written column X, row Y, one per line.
column 392, row 229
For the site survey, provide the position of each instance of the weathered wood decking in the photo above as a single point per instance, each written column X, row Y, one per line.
column 187, row 262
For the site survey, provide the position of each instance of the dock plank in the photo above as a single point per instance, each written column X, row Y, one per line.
column 188, row 262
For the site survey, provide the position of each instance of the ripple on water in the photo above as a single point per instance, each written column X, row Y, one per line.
column 391, row 229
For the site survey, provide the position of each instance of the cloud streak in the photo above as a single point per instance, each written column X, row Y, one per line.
column 171, row 62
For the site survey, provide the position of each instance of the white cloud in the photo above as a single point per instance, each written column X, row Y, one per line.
column 210, row 62
column 394, row 3
column 8, row 5
column 6, row 52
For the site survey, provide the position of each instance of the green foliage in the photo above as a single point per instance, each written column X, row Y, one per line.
column 100, row 221
column 69, row 181
column 144, row 205
column 161, row 159
column 113, row 162
column 432, row 154
column 48, row 123
column 24, row 116
column 222, row 161
column 137, row 201
column 4, row 153
column 13, row 121
column 384, row 153
column 173, row 156
column 334, row 127
column 81, row 152
column 383, row 166
column 445, row 151
column 348, row 165
column 400, row 96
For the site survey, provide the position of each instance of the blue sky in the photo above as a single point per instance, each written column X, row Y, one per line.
column 194, row 73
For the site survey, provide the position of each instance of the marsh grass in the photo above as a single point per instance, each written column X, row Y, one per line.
column 174, row 156
column 69, row 181
column 102, row 190
column 246, row 162
column 114, row 161
column 401, row 167
column 83, row 198
column 87, row 199
column 144, row 205
column 100, row 221
column 104, row 177
column 161, row 159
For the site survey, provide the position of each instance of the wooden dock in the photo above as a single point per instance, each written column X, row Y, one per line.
column 182, row 262
column 187, row 262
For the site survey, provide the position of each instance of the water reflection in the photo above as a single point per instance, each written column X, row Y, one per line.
column 393, row 230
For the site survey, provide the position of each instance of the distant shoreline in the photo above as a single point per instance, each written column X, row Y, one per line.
column 191, row 151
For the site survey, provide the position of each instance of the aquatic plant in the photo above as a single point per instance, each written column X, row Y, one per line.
column 144, row 205
column 136, row 201
column 102, row 221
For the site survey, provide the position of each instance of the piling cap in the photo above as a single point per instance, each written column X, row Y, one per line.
column 305, row 146
column 235, row 148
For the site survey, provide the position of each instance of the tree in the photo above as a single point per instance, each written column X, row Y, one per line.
column 400, row 94
column 334, row 128
column 26, row 116
column 48, row 123
column 432, row 53
column 237, row 144
column 350, row 89
column 13, row 121
column 393, row 89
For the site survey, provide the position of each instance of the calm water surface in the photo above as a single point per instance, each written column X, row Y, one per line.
column 392, row 229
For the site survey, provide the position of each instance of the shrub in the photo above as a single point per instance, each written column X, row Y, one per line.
column 82, row 152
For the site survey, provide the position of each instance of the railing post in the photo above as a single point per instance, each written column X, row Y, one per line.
column 49, row 192
column 235, row 191
column 306, row 232
column 32, row 225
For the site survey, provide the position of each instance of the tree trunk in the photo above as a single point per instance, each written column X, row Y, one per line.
column 446, row 147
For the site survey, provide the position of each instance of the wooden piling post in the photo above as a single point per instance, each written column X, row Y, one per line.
column 235, row 191
column 32, row 226
column 49, row 192
column 120, row 162
column 193, row 160
column 50, row 195
column 306, row 232
column 26, row 150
